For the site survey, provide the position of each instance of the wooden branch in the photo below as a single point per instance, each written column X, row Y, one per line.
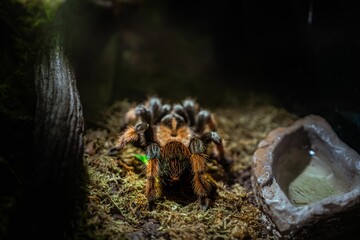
column 59, row 122
column 52, row 203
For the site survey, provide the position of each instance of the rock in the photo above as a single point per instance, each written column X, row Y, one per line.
column 307, row 181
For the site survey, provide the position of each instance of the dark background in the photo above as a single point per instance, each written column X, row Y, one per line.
column 302, row 55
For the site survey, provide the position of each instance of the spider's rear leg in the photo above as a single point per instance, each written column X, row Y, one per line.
column 190, row 108
column 131, row 134
column 220, row 154
column 153, row 185
column 203, row 184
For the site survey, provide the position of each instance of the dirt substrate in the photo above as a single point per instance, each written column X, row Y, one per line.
column 117, row 206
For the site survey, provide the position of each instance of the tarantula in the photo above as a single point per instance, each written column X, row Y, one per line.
column 175, row 138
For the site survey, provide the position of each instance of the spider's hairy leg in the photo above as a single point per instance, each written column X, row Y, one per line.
column 153, row 186
column 165, row 109
column 215, row 138
column 203, row 184
column 144, row 114
column 155, row 109
column 190, row 109
column 204, row 119
column 179, row 109
column 131, row 134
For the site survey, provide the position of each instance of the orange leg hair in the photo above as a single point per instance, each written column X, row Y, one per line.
column 131, row 134
column 153, row 186
column 204, row 186
column 220, row 152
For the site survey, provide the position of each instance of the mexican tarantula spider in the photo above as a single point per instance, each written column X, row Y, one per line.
column 175, row 138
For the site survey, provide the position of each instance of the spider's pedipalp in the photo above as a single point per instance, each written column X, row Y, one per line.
column 196, row 146
column 153, row 151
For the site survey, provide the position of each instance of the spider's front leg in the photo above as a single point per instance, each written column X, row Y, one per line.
column 204, row 119
column 220, row 155
column 203, row 184
column 153, row 186
column 131, row 134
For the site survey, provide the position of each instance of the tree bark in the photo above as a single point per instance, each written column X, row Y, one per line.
column 52, row 199
column 58, row 140
column 59, row 122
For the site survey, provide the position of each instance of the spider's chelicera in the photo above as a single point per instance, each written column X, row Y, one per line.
column 175, row 138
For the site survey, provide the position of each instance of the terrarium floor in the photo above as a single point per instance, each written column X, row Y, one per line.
column 116, row 206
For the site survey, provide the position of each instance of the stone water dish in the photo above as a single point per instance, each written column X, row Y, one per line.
column 307, row 181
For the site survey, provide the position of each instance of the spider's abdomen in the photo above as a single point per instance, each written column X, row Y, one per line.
column 175, row 161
